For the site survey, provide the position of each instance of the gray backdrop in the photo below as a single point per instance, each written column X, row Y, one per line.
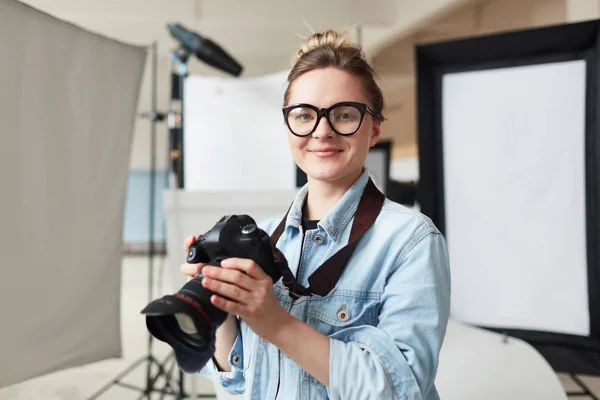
column 68, row 100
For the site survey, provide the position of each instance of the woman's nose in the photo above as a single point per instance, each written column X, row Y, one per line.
column 323, row 129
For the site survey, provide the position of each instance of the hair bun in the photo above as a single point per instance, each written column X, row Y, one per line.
column 329, row 38
column 334, row 49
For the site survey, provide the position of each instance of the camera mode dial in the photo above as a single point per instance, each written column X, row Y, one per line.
column 249, row 229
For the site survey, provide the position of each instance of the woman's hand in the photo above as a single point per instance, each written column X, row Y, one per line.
column 190, row 270
column 244, row 289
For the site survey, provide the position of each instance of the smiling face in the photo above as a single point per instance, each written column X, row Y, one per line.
column 324, row 155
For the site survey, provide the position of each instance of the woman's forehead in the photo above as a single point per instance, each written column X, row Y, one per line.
column 325, row 87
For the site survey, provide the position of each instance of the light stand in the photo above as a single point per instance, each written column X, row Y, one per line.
column 179, row 71
column 586, row 392
column 204, row 49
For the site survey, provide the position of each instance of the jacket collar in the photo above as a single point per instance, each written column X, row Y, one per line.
column 339, row 216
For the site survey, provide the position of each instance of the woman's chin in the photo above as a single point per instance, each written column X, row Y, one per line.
column 326, row 175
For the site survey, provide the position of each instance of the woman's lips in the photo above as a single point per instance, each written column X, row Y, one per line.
column 325, row 153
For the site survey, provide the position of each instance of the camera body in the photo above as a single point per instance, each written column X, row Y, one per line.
column 236, row 236
column 187, row 320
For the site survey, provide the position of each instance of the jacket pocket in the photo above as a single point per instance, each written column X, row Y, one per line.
column 339, row 310
column 343, row 309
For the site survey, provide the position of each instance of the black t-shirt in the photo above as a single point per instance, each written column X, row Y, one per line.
column 308, row 224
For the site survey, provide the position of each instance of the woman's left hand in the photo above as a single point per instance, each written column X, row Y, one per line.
column 244, row 289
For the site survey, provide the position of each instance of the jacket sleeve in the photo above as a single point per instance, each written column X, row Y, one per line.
column 398, row 358
column 232, row 381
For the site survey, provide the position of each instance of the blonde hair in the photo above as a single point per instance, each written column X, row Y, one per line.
column 334, row 49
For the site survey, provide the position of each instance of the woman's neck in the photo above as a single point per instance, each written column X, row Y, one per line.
column 323, row 196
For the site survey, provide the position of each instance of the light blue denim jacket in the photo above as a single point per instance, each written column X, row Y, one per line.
column 385, row 319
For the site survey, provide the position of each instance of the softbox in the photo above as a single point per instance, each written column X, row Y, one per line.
column 68, row 100
column 234, row 129
column 509, row 151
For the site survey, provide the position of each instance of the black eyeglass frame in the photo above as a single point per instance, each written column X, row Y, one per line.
column 324, row 112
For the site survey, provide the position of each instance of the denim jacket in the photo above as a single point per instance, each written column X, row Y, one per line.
column 385, row 319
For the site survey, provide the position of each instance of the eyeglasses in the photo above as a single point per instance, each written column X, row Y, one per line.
column 344, row 118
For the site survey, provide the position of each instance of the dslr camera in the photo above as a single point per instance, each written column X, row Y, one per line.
column 187, row 320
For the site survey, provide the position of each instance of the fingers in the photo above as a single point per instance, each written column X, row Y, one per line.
column 232, row 276
column 245, row 265
column 227, row 290
column 188, row 242
column 191, row 270
column 230, row 307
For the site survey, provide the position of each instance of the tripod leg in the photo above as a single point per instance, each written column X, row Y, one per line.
column 118, row 378
column 181, row 389
column 586, row 390
column 161, row 371
column 168, row 379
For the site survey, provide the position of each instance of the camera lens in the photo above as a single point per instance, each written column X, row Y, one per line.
column 186, row 323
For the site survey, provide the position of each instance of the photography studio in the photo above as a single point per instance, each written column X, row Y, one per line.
column 273, row 200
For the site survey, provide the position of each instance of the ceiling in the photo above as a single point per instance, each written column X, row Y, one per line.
column 261, row 34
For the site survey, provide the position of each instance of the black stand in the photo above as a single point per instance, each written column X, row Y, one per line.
column 586, row 390
column 169, row 387
column 179, row 71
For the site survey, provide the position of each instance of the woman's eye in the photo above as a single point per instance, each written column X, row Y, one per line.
column 303, row 117
column 345, row 117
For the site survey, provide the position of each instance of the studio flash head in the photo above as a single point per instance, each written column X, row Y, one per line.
column 205, row 49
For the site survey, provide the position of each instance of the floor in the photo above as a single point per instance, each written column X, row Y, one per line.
column 82, row 382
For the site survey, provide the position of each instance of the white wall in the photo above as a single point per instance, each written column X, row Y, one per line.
column 581, row 10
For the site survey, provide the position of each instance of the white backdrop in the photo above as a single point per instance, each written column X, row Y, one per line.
column 234, row 134
column 67, row 105
column 521, row 257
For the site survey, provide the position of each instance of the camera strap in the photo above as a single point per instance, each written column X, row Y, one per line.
column 324, row 279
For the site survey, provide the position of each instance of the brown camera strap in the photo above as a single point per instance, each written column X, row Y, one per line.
column 327, row 275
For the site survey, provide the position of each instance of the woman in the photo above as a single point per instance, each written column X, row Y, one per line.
column 376, row 332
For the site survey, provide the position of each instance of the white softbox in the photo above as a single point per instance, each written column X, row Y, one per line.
column 68, row 99
column 235, row 138
column 509, row 148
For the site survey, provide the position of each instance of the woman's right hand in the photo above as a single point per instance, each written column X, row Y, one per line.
column 190, row 270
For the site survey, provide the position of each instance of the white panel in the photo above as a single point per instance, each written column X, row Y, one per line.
column 514, row 196
column 235, row 137
column 378, row 164
column 405, row 169
column 495, row 369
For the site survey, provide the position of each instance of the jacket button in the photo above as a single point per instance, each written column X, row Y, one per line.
column 236, row 359
column 343, row 314
column 318, row 239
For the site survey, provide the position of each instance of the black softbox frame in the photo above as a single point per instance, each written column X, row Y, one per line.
column 579, row 41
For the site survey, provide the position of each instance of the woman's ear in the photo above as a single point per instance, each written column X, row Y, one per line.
column 376, row 133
